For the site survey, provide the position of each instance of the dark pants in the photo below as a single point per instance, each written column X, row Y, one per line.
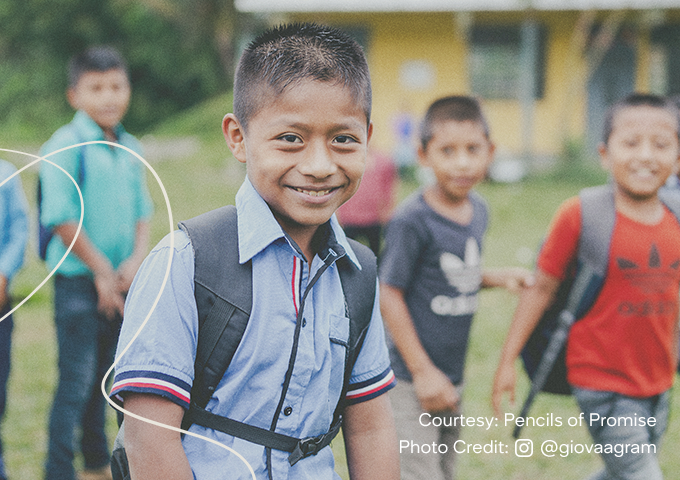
column 5, row 349
column 87, row 344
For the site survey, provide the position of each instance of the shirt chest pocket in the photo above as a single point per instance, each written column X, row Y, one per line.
column 339, row 344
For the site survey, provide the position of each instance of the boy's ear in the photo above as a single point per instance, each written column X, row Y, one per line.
column 604, row 159
column 422, row 155
column 72, row 98
column 492, row 150
column 234, row 134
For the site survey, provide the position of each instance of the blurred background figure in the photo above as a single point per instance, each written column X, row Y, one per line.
column 364, row 215
column 13, row 238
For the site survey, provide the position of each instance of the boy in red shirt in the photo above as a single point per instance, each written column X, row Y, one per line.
column 621, row 355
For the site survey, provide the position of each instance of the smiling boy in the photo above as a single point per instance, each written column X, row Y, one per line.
column 431, row 273
column 622, row 354
column 90, row 285
column 301, row 124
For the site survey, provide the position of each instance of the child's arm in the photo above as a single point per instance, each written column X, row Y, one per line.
column 110, row 301
column 435, row 391
column 155, row 453
column 3, row 290
column 128, row 269
column 513, row 279
column 532, row 303
column 12, row 252
column 371, row 440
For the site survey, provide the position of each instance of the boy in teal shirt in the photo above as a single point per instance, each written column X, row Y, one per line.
column 91, row 284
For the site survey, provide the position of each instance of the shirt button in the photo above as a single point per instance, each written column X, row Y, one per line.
column 304, row 322
column 287, row 411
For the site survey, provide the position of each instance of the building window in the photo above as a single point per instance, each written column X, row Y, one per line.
column 665, row 60
column 495, row 61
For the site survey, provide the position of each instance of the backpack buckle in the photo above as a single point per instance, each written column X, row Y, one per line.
column 305, row 448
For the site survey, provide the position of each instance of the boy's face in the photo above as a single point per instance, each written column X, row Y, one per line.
column 305, row 152
column 459, row 155
column 642, row 151
column 104, row 96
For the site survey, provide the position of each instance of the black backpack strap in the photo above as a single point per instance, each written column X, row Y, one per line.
column 223, row 292
column 359, row 289
column 598, row 216
column 671, row 198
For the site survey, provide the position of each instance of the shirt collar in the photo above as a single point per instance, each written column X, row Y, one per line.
column 89, row 130
column 257, row 227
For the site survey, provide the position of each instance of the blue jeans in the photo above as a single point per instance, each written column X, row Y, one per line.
column 87, row 343
column 5, row 348
column 618, row 465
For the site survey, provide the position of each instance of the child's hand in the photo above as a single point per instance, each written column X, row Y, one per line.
column 435, row 391
column 504, row 381
column 110, row 301
column 3, row 291
column 518, row 278
column 514, row 279
column 125, row 274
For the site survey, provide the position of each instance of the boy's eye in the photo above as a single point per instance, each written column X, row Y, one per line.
column 344, row 139
column 290, row 138
column 448, row 151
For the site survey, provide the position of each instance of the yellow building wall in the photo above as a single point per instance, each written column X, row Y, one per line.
column 439, row 40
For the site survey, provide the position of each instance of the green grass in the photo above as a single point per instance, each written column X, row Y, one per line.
column 519, row 217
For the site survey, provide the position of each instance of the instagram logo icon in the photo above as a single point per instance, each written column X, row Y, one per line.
column 524, row 448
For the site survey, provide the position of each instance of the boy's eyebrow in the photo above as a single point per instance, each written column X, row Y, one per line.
column 348, row 125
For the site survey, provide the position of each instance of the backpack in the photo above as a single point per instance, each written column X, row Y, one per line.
column 544, row 354
column 46, row 233
column 223, row 293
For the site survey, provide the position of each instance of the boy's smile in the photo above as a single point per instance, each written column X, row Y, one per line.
column 459, row 154
column 642, row 151
column 305, row 153
column 104, row 96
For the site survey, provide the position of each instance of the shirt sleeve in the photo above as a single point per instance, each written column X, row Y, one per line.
column 372, row 374
column 561, row 244
column 16, row 222
column 60, row 199
column 144, row 204
column 157, row 355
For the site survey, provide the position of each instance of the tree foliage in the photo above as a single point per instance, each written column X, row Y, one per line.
column 178, row 53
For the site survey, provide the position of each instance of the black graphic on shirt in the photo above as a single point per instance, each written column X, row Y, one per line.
column 651, row 279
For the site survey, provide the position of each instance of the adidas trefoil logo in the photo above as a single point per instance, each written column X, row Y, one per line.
column 465, row 276
column 653, row 279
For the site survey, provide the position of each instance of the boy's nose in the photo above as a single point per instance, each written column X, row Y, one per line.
column 464, row 160
column 318, row 162
column 646, row 150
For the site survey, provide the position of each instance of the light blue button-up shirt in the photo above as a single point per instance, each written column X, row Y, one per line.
column 161, row 359
column 114, row 190
column 13, row 222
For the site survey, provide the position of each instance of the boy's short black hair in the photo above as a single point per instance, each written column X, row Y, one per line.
column 288, row 54
column 94, row 59
column 458, row 108
column 639, row 100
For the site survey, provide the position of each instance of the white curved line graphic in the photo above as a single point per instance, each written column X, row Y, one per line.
column 165, row 279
